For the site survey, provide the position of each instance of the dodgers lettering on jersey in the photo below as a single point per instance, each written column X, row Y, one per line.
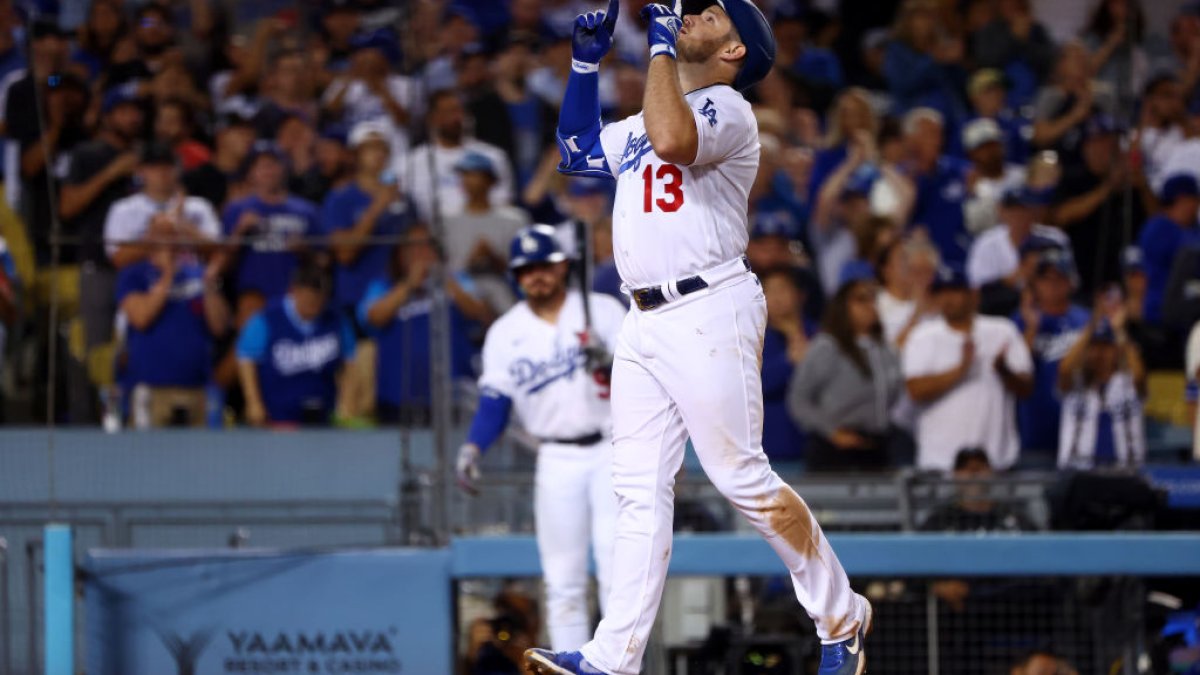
column 672, row 221
column 292, row 357
column 532, row 376
column 541, row 366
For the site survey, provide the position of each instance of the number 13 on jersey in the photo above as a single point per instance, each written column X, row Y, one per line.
column 669, row 179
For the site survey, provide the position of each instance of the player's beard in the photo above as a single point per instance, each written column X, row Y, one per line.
column 699, row 51
column 543, row 293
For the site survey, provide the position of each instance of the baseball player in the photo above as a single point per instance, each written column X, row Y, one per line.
column 540, row 359
column 687, row 359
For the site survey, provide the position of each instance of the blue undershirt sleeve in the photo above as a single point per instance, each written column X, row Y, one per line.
column 579, row 127
column 490, row 419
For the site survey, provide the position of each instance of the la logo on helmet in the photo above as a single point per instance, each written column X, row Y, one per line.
column 529, row 244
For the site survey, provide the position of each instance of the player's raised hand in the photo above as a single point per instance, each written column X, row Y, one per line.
column 664, row 29
column 594, row 34
column 466, row 468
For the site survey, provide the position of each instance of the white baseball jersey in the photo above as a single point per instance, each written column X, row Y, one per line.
column 672, row 221
column 540, row 366
column 978, row 411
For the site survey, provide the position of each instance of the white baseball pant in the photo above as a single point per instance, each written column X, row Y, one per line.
column 693, row 367
column 574, row 506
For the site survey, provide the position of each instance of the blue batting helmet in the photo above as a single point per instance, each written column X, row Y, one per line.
column 534, row 244
column 753, row 29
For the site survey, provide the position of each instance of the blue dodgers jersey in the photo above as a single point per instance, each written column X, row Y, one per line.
column 265, row 264
column 1039, row 415
column 939, row 209
column 783, row 439
column 1161, row 238
column 297, row 374
column 402, row 370
column 342, row 209
column 177, row 349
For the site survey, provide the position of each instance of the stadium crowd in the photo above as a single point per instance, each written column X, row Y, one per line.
column 975, row 220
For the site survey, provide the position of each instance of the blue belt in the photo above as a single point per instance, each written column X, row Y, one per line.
column 649, row 298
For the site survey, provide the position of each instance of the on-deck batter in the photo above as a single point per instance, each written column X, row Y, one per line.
column 535, row 362
column 687, row 360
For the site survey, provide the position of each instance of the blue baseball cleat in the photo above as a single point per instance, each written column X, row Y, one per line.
column 546, row 662
column 848, row 656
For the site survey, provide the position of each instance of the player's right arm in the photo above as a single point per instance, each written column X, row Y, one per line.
column 492, row 414
column 579, row 118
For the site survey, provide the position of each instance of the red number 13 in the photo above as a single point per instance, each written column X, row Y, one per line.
column 672, row 187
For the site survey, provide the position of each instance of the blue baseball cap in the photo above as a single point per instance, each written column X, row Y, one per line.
column 1037, row 244
column 1025, row 196
column 380, row 39
column 855, row 271
column 950, row 276
column 476, row 161
column 534, row 244
column 1054, row 259
column 119, row 96
column 1178, row 185
column 262, row 149
column 773, row 223
column 335, row 131
column 753, row 29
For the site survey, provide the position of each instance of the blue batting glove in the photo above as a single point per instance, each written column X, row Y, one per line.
column 664, row 29
column 593, row 37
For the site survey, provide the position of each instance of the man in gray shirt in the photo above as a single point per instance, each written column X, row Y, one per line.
column 476, row 240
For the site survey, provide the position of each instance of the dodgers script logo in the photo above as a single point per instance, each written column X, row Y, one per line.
column 635, row 149
column 297, row 357
column 537, row 375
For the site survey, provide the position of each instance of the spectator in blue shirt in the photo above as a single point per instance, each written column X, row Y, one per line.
column 941, row 186
column 175, row 311
column 291, row 355
column 1015, row 43
column 851, row 121
column 988, row 93
column 1165, row 234
column 922, row 65
column 818, row 68
column 1051, row 324
column 371, row 205
column 784, row 346
column 268, row 227
column 396, row 310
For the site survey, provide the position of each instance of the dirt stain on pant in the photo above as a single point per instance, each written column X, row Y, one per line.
column 791, row 520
